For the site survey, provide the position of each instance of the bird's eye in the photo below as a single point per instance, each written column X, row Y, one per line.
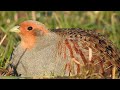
column 30, row 28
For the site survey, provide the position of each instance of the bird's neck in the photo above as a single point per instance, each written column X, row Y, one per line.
column 47, row 40
column 40, row 42
column 28, row 42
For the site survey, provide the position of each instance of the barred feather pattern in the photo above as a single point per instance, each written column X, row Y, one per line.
column 87, row 49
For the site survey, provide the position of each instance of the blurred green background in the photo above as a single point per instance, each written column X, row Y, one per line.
column 105, row 22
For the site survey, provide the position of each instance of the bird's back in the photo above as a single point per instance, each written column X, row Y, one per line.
column 88, row 49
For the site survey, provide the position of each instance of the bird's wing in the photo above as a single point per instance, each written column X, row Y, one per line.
column 91, row 46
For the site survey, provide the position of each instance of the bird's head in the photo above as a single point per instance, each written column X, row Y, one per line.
column 30, row 27
column 28, row 31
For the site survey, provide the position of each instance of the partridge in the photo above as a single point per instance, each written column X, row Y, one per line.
column 63, row 52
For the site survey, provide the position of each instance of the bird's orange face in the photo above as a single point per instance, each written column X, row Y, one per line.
column 28, row 31
column 32, row 28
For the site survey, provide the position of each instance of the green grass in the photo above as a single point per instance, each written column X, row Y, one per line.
column 105, row 22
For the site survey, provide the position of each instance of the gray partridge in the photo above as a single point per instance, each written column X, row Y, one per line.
column 63, row 52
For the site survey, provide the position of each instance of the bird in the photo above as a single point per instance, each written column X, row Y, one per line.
column 63, row 52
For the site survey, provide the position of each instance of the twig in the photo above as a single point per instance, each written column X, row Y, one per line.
column 33, row 15
column 113, row 72
column 3, row 39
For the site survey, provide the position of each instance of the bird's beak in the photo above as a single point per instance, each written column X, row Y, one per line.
column 15, row 29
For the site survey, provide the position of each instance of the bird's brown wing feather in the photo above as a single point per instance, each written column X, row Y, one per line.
column 104, row 54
